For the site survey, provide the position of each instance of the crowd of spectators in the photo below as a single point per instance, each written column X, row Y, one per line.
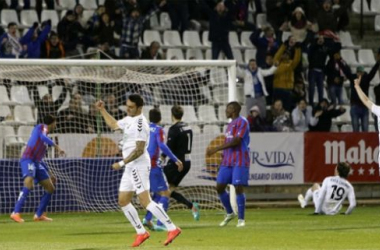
column 284, row 74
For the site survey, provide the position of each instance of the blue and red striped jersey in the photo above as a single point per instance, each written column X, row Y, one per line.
column 237, row 156
column 157, row 142
column 36, row 146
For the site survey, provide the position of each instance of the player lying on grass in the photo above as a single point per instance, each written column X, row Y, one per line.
column 329, row 198
column 136, row 162
column 158, row 184
column 35, row 171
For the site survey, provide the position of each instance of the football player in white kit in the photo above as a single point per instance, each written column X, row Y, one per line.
column 137, row 164
column 370, row 105
column 329, row 198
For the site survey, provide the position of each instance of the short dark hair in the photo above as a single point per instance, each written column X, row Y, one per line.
column 155, row 115
column 344, row 169
column 49, row 119
column 11, row 24
column 251, row 60
column 136, row 99
column 177, row 112
column 235, row 105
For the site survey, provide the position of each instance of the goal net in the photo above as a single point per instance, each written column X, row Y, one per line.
column 30, row 89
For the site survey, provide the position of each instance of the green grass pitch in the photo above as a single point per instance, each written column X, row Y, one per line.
column 266, row 229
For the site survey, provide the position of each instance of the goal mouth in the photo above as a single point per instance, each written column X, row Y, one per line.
column 69, row 89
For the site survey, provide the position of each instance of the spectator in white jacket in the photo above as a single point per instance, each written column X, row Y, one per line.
column 302, row 117
column 254, row 86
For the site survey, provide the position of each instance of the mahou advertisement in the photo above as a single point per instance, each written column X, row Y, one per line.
column 324, row 150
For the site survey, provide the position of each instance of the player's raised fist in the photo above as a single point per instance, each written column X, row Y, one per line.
column 357, row 81
column 99, row 105
column 116, row 166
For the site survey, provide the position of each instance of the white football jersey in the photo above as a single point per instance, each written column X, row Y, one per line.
column 332, row 194
column 135, row 129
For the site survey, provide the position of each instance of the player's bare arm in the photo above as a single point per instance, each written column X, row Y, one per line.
column 110, row 120
column 236, row 141
column 60, row 151
column 179, row 165
column 136, row 153
column 363, row 97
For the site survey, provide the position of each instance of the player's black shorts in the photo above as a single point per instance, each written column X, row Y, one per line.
column 173, row 176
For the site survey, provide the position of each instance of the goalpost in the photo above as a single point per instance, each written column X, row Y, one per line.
column 86, row 181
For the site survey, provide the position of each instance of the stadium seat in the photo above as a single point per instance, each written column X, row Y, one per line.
column 4, row 98
column 224, row 128
column 28, row 17
column 218, row 76
column 172, row 53
column 249, row 54
column 234, row 40
column 238, row 56
column 196, row 129
column 172, row 38
column 375, row 6
column 334, row 128
column 222, row 113
column 208, row 55
column 243, row 111
column 220, row 94
column 192, row 39
column 261, row 20
column 10, row 137
column 8, row 16
column 207, row 114
column 377, row 23
column 371, row 94
column 345, row 96
column 151, row 36
column 42, row 90
column 154, row 23
column 189, row 114
column 66, row 5
column 52, row 15
column 196, row 53
column 346, row 128
column 89, row 4
column 166, row 114
column 24, row 115
column 24, row 133
column 356, row 8
column 20, row 95
column 5, row 111
column 366, row 57
column 101, row 2
column 165, row 21
column 205, row 40
column 346, row 40
column 87, row 14
column 371, row 128
column 211, row 129
column 349, row 56
column 244, row 38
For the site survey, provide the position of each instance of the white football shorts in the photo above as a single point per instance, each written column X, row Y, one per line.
column 135, row 178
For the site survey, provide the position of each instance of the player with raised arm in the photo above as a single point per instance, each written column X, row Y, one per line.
column 136, row 162
column 329, row 198
column 234, row 168
column 34, row 170
column 180, row 142
column 158, row 184
column 369, row 104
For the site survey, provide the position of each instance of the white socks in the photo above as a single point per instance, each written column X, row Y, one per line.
column 308, row 195
column 133, row 217
column 161, row 215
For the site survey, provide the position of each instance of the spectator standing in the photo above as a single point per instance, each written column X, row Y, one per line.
column 265, row 44
column 359, row 112
column 278, row 119
column 34, row 38
column 283, row 82
column 324, row 112
column 10, row 43
column 53, row 47
column 302, row 117
column 131, row 30
column 179, row 14
column 220, row 23
column 335, row 78
column 255, row 88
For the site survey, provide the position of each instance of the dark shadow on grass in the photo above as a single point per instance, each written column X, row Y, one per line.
column 94, row 233
column 343, row 228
